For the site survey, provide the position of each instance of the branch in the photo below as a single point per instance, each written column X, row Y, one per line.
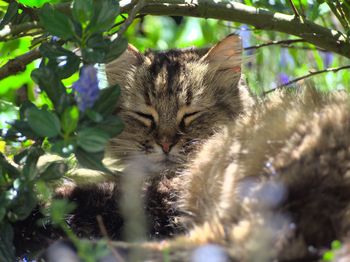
column 137, row 7
column 281, row 42
column 104, row 232
column 19, row 64
column 17, row 29
column 229, row 10
column 334, row 70
column 295, row 10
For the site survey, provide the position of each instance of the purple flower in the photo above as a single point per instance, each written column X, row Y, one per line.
column 283, row 78
column 86, row 88
column 327, row 58
column 245, row 34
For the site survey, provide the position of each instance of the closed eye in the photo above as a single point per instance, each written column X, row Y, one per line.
column 144, row 118
column 186, row 115
column 187, row 118
column 147, row 116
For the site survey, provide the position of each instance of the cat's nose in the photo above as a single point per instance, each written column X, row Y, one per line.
column 166, row 146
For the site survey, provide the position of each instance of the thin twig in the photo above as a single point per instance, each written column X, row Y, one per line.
column 281, row 42
column 19, row 63
column 334, row 70
column 295, row 10
column 105, row 235
column 138, row 6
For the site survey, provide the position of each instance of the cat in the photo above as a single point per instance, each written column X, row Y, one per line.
column 274, row 184
column 170, row 103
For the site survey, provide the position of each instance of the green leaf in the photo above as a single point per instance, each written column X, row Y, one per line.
column 107, row 102
column 59, row 208
column 91, row 160
column 336, row 244
column 56, row 23
column 54, row 171
column 94, row 116
column 19, row 129
column 82, row 10
column 112, row 125
column 62, row 61
column 49, row 82
column 7, row 251
column 43, row 122
column 10, row 169
column 92, row 139
column 116, row 48
column 64, row 148
column 11, row 12
column 104, row 15
column 30, row 169
column 70, row 119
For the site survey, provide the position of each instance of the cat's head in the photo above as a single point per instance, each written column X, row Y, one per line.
column 171, row 100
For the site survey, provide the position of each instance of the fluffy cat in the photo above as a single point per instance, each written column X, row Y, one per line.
column 170, row 103
column 275, row 183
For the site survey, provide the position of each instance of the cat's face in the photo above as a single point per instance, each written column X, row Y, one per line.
column 171, row 100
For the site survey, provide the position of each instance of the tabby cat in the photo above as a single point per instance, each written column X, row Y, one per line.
column 265, row 181
column 170, row 103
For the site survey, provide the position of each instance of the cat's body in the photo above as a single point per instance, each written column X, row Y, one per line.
column 275, row 184
column 265, row 181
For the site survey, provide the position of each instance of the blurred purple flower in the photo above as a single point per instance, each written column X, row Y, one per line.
column 327, row 58
column 86, row 88
column 245, row 34
column 283, row 78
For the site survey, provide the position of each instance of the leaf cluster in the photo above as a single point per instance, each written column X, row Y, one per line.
column 57, row 127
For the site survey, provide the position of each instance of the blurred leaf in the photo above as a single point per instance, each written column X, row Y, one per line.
column 92, row 139
column 19, row 129
column 54, row 170
column 82, row 10
column 94, row 116
column 64, row 62
column 91, row 160
column 10, row 169
column 63, row 148
column 20, row 156
column 70, row 119
column 107, row 102
column 7, row 251
column 59, row 208
column 112, row 125
column 43, row 122
column 23, row 202
column 105, row 12
column 116, row 48
column 56, row 23
column 37, row 3
column 49, row 82
column 30, row 169
column 2, row 146
column 336, row 244
column 11, row 12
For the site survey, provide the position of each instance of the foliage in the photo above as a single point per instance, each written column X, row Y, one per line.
column 58, row 105
column 58, row 126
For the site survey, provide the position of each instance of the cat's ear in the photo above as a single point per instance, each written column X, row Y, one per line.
column 117, row 70
column 226, row 55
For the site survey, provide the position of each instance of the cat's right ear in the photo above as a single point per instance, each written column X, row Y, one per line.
column 225, row 58
column 118, row 69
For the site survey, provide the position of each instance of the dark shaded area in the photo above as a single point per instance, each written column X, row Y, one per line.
column 160, row 195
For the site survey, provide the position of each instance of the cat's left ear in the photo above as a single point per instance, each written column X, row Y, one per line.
column 226, row 55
